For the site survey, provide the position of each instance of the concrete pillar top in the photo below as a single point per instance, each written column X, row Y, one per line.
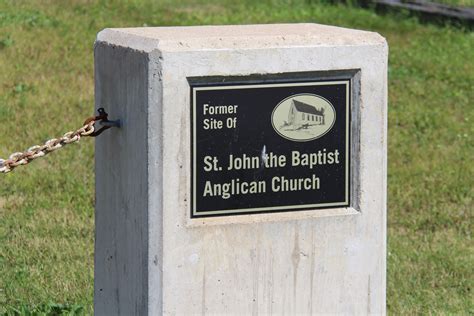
column 186, row 38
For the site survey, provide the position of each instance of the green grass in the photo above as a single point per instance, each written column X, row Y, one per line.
column 46, row 88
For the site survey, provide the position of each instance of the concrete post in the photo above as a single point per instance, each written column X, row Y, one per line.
column 210, row 200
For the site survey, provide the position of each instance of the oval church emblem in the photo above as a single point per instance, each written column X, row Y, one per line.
column 303, row 117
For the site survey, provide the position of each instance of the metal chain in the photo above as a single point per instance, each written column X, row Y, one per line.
column 88, row 129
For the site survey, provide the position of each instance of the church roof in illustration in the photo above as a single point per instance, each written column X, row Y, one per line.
column 306, row 108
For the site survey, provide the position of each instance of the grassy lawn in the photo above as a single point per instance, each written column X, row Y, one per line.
column 46, row 88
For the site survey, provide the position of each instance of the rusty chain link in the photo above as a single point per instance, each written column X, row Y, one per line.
column 88, row 129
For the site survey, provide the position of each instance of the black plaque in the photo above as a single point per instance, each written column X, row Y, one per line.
column 269, row 147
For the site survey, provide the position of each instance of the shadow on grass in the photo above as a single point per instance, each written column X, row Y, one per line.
column 448, row 18
column 49, row 309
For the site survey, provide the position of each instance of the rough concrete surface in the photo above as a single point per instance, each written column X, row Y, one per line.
column 151, row 258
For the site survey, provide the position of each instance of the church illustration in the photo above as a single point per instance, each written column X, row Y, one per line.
column 302, row 115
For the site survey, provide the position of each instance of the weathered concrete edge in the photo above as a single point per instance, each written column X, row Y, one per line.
column 152, row 291
column 384, row 190
column 119, row 37
column 114, row 37
column 155, row 182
